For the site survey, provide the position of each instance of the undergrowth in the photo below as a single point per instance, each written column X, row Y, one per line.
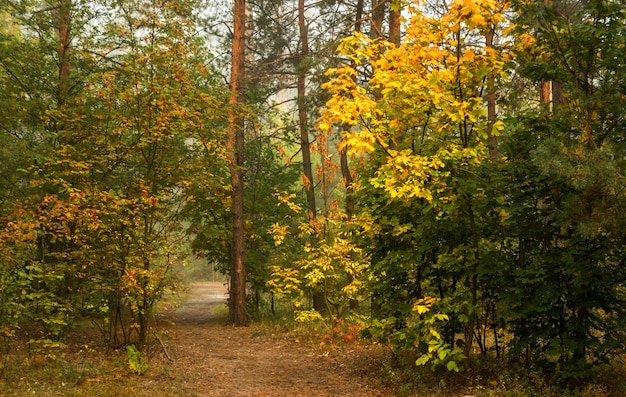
column 493, row 378
column 484, row 377
column 83, row 367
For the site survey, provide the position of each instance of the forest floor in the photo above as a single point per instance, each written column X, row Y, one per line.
column 221, row 360
column 194, row 353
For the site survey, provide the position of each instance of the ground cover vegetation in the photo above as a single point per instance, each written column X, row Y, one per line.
column 445, row 177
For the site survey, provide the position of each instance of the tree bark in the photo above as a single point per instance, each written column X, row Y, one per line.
column 545, row 90
column 345, row 166
column 377, row 16
column 394, row 25
column 235, row 151
column 343, row 157
column 305, row 146
column 63, row 30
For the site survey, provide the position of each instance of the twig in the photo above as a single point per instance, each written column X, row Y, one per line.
column 167, row 355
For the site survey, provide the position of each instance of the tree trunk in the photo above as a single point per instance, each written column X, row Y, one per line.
column 64, row 15
column 473, row 278
column 377, row 16
column 394, row 25
column 343, row 159
column 235, row 151
column 347, row 180
column 345, row 167
column 358, row 15
column 551, row 92
column 305, row 146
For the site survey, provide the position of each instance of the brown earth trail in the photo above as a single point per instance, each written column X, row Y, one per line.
column 220, row 360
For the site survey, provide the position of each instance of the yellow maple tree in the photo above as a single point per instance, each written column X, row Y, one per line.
column 421, row 103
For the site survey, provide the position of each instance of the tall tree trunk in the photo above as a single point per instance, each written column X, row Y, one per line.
column 235, row 150
column 343, row 156
column 395, row 39
column 394, row 23
column 358, row 19
column 63, row 30
column 377, row 15
column 345, row 166
column 305, row 145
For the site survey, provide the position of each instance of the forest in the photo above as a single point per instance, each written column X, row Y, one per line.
column 446, row 176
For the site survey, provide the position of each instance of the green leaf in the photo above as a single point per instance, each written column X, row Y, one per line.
column 424, row 358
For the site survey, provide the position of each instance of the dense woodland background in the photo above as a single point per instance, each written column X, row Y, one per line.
column 448, row 175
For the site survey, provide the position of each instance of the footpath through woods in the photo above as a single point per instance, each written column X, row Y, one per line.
column 220, row 360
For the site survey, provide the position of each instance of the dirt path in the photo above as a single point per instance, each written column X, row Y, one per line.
column 220, row 360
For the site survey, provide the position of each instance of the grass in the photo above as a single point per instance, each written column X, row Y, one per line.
column 82, row 367
column 220, row 311
column 87, row 373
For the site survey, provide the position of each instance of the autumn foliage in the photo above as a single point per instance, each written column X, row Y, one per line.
column 94, row 228
column 455, row 193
